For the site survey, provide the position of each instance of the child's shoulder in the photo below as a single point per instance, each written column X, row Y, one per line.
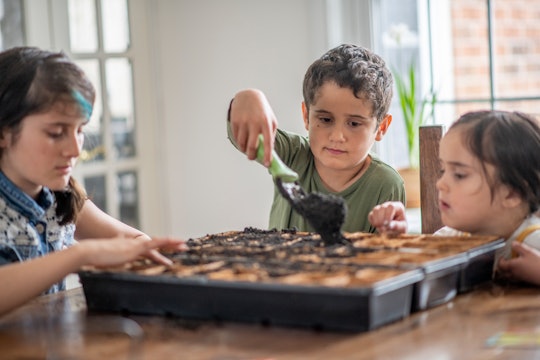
column 381, row 167
column 381, row 178
column 290, row 141
column 529, row 232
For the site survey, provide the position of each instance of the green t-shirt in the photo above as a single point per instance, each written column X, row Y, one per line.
column 378, row 184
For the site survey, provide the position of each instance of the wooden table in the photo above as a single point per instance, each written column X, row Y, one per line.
column 59, row 327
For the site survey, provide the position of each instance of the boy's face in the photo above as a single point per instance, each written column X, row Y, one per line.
column 341, row 129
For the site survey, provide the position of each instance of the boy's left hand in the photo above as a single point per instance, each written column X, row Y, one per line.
column 389, row 217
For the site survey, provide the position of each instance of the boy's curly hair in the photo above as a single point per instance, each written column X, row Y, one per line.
column 356, row 68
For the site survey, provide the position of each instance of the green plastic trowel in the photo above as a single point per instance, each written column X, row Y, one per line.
column 325, row 212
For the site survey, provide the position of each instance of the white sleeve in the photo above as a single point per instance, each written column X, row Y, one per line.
column 448, row 231
column 533, row 239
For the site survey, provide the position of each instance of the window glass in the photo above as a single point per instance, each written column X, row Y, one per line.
column 470, row 50
column 127, row 190
column 11, row 24
column 99, row 40
column 528, row 106
column 399, row 34
column 516, row 40
column 397, row 40
column 115, row 25
column 450, row 112
column 455, row 54
column 97, row 191
column 82, row 26
column 120, row 99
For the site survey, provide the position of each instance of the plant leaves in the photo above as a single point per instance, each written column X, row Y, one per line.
column 413, row 108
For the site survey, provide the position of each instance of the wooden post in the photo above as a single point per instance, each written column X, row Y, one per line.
column 430, row 136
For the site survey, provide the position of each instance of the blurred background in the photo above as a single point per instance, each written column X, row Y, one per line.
column 156, row 150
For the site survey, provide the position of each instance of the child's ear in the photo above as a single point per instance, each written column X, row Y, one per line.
column 511, row 198
column 305, row 115
column 383, row 127
column 5, row 138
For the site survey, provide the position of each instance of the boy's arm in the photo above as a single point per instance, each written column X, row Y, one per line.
column 250, row 114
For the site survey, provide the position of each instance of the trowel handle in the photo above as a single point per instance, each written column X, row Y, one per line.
column 277, row 168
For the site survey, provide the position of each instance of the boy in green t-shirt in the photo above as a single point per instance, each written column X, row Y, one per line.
column 347, row 94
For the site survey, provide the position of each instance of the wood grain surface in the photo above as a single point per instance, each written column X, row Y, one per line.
column 59, row 327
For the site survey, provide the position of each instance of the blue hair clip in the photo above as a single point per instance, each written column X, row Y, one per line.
column 83, row 103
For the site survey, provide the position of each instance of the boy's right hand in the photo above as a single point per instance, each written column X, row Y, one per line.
column 389, row 217
column 251, row 115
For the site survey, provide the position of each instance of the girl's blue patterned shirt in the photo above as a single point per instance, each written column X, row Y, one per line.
column 30, row 228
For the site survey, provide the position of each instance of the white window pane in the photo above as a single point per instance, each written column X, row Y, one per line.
column 129, row 201
column 115, row 25
column 96, row 189
column 82, row 26
column 120, row 100
column 11, row 24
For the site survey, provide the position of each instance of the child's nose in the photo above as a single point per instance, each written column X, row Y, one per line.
column 73, row 145
column 337, row 133
column 439, row 185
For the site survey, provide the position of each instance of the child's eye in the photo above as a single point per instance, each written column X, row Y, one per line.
column 441, row 172
column 354, row 123
column 325, row 120
column 55, row 134
column 459, row 176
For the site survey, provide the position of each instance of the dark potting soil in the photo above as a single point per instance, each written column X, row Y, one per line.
column 326, row 213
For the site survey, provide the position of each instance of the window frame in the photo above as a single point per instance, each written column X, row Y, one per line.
column 147, row 113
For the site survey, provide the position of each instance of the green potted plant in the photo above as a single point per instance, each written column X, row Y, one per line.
column 413, row 110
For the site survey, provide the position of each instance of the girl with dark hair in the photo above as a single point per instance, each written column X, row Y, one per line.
column 489, row 184
column 45, row 101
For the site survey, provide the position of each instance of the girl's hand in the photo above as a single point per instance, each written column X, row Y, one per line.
column 525, row 267
column 389, row 217
column 155, row 255
column 117, row 251
column 251, row 115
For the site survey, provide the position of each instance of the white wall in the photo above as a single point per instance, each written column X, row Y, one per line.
column 204, row 52
column 191, row 56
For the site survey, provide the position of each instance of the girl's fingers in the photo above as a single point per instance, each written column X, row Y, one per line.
column 159, row 258
column 154, row 244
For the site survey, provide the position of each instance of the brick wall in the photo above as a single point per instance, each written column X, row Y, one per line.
column 516, row 50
